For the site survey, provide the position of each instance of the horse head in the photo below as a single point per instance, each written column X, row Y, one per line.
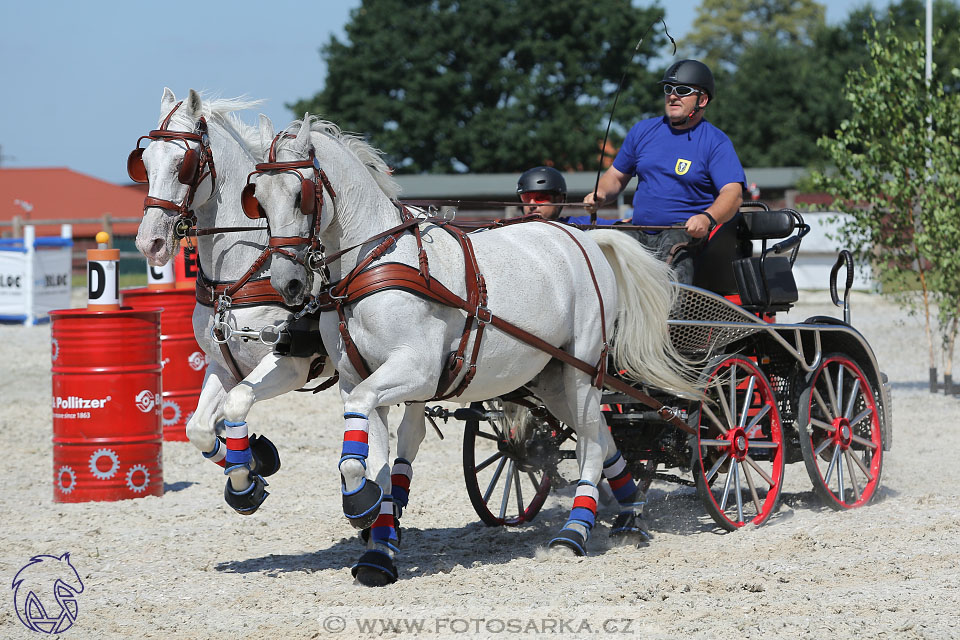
column 176, row 166
column 288, row 192
column 309, row 159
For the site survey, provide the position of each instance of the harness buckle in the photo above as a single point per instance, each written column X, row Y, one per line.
column 224, row 302
column 483, row 315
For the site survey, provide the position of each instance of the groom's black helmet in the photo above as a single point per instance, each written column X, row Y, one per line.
column 542, row 179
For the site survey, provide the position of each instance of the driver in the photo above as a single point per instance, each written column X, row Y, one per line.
column 689, row 175
column 545, row 190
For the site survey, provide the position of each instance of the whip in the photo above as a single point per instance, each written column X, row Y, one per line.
column 616, row 97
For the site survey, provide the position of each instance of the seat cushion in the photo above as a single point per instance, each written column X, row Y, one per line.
column 779, row 281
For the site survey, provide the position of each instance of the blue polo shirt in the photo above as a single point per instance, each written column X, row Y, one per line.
column 680, row 172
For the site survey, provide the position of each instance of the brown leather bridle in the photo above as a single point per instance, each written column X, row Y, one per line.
column 305, row 250
column 196, row 165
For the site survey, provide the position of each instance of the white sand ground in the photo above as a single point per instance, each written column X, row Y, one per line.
column 186, row 566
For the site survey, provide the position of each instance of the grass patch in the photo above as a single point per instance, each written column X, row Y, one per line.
column 127, row 280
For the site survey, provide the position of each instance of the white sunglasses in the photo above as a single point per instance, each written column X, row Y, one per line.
column 682, row 90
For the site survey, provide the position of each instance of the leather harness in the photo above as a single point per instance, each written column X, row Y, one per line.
column 367, row 278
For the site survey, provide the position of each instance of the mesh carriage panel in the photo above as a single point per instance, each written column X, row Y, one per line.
column 702, row 322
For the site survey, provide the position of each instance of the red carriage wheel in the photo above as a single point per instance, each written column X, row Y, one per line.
column 508, row 462
column 738, row 457
column 840, row 435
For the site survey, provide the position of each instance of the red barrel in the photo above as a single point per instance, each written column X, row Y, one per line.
column 107, row 440
column 184, row 363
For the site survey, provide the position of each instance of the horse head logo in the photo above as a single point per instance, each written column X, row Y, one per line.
column 45, row 594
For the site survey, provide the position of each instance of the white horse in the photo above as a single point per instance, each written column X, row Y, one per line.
column 551, row 281
column 193, row 135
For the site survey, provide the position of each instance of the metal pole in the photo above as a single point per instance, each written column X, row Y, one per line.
column 929, row 70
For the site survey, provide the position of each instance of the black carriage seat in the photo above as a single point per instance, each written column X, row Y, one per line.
column 713, row 266
column 766, row 283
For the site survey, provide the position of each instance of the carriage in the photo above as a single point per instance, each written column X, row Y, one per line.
column 777, row 394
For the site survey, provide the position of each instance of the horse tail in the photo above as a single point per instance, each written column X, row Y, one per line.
column 641, row 341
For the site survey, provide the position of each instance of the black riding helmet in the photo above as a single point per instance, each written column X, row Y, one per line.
column 691, row 72
column 543, row 179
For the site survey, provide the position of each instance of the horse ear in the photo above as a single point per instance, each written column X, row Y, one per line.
column 266, row 132
column 303, row 136
column 167, row 101
column 194, row 103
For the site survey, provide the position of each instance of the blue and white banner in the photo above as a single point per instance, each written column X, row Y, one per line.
column 35, row 275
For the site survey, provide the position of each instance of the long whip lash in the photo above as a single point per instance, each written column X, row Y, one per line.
column 603, row 148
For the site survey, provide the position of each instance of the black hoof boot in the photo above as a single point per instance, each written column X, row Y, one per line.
column 362, row 506
column 570, row 539
column 375, row 569
column 631, row 527
column 265, row 455
column 246, row 502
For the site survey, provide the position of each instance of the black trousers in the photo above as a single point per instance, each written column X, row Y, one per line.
column 676, row 247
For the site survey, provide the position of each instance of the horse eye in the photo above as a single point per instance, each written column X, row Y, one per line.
column 296, row 202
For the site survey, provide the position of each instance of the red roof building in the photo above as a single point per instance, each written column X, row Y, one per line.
column 48, row 197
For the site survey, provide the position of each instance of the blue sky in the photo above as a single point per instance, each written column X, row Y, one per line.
column 81, row 81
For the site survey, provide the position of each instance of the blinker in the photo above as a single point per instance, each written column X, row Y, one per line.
column 249, row 203
column 135, row 167
column 308, row 197
column 188, row 167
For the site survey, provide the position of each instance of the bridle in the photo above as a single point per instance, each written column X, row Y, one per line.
column 305, row 250
column 196, row 165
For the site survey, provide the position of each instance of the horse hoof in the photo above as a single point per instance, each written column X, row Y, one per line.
column 362, row 507
column 265, row 454
column 375, row 569
column 631, row 528
column 571, row 540
column 248, row 501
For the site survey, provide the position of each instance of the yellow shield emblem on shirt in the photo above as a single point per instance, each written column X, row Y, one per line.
column 682, row 166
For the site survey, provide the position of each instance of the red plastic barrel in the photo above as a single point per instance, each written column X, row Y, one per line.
column 184, row 363
column 107, row 442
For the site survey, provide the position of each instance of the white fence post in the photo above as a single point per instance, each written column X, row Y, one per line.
column 29, row 286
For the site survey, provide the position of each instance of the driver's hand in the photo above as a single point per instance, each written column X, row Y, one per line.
column 591, row 205
column 698, row 226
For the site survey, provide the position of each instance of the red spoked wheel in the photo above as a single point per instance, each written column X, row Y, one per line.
column 510, row 461
column 840, row 435
column 738, row 457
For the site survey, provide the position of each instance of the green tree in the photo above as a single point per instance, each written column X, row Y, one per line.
column 724, row 28
column 897, row 175
column 782, row 92
column 487, row 85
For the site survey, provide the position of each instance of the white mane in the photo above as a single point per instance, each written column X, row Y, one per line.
column 223, row 112
column 369, row 156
